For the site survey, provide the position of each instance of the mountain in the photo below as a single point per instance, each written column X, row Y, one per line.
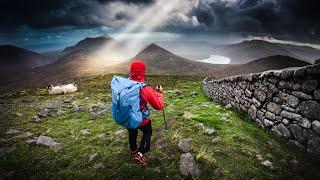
column 247, row 51
column 161, row 61
column 263, row 64
column 89, row 44
column 13, row 58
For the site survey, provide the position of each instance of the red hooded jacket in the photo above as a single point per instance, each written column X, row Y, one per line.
column 147, row 94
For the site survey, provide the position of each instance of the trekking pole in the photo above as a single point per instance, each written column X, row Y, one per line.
column 164, row 119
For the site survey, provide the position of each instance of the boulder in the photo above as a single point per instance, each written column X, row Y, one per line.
column 316, row 127
column 301, row 95
column 316, row 94
column 256, row 102
column 268, row 165
column 274, row 108
column 120, row 133
column 208, row 131
column 45, row 140
column 305, row 123
column 291, row 100
column 43, row 113
column 12, row 131
column 268, row 123
column 199, row 126
column 188, row 165
column 184, row 144
column 309, row 85
column 311, row 109
column 313, row 145
column 260, row 95
column 92, row 157
column 85, row 132
column 298, row 133
column 270, row 116
column 282, row 130
column 290, row 115
column 252, row 112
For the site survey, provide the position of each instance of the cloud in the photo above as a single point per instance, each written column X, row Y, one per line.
column 285, row 18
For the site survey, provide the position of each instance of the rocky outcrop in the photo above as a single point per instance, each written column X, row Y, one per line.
column 286, row 101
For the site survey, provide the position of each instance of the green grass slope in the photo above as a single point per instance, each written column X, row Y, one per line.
column 234, row 157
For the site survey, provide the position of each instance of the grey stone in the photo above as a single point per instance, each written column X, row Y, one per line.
column 277, row 100
column 208, row 131
column 285, row 122
column 43, row 113
column 259, row 157
column 248, row 93
column 19, row 114
column 268, row 123
column 291, row 100
column 102, row 136
column 274, row 108
column 287, row 108
column 316, row 126
column 60, row 112
column 298, row 133
column 53, row 105
column 85, row 132
column 256, row 102
column 23, row 135
column 184, row 145
column 260, row 95
column 313, row 145
column 305, row 123
column 283, row 130
column 270, row 116
column 31, row 141
column 286, row 73
column 98, row 166
column 216, row 140
column 290, row 115
column 311, row 109
column 120, row 133
column 35, row 119
column 199, row 126
column 92, row 157
column 12, row 131
column 268, row 165
column 309, row 85
column 56, row 147
column 316, row 94
column 260, row 114
column 45, row 140
column 279, row 118
column 252, row 112
column 301, row 95
column 188, row 165
column 300, row 72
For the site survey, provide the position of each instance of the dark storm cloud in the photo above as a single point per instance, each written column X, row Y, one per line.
column 42, row 14
column 276, row 17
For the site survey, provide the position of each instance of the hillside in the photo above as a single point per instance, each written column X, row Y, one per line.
column 247, row 51
column 163, row 62
column 13, row 58
column 263, row 64
column 87, row 144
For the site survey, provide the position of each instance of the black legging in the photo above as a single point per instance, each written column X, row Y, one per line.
column 145, row 140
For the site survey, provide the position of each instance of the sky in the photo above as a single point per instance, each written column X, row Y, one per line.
column 43, row 25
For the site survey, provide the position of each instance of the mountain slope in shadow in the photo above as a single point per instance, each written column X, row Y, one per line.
column 247, row 51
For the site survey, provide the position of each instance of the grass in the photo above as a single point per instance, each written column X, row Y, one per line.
column 234, row 157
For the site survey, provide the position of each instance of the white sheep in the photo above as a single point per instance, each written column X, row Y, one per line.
column 62, row 89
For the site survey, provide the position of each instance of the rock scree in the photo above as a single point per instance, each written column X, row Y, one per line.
column 285, row 101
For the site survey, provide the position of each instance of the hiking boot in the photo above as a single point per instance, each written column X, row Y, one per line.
column 134, row 154
column 140, row 159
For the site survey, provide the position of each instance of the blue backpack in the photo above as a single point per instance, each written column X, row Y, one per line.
column 126, row 102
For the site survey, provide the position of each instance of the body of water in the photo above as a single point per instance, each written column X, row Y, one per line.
column 216, row 59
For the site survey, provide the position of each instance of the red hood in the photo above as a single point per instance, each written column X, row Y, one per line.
column 138, row 71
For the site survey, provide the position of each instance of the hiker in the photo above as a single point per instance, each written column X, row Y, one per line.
column 146, row 95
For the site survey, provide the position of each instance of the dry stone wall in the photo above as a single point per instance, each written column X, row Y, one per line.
column 286, row 101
